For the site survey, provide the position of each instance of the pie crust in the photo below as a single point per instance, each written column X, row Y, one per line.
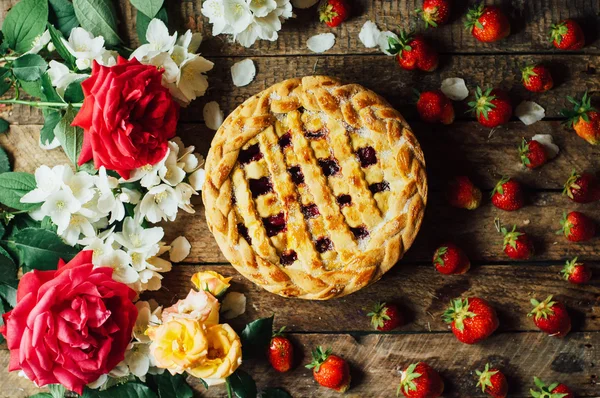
column 314, row 189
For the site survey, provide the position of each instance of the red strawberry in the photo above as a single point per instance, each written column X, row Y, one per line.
column 533, row 154
column 567, row 35
column 487, row 23
column 413, row 52
column 435, row 107
column 330, row 370
column 551, row 317
column 386, row 317
column 435, row 12
column 554, row 390
column 334, row 12
column 463, row 194
column 420, row 380
column 577, row 273
column 537, row 78
column 508, row 195
column 281, row 352
column 492, row 107
column 584, row 119
column 472, row 319
column 577, row 227
column 449, row 259
column 492, row 382
column 582, row 188
column 517, row 245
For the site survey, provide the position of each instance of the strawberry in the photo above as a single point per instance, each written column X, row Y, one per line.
column 413, row 52
column 386, row 317
column 420, row 380
column 281, row 352
column 584, row 119
column 567, row 35
column 435, row 107
column 435, row 12
column 492, row 382
column 577, row 273
column 487, row 23
column 449, row 259
column 508, row 195
column 537, row 78
column 330, row 370
column 532, row 153
column 472, row 319
column 577, row 227
column 551, row 317
column 492, row 107
column 334, row 12
column 463, row 194
column 582, row 188
column 517, row 245
column 554, row 390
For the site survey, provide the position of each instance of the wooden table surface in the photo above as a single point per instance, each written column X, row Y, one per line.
column 462, row 148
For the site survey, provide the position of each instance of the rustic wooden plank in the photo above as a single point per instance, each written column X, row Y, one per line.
column 422, row 292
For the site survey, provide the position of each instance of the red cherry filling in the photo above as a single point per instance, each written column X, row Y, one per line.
column 344, row 200
column 288, row 257
column 315, row 135
column 274, row 224
column 324, row 244
column 251, row 154
column 367, row 156
column 310, row 211
column 285, row 140
column 360, row 232
column 329, row 166
column 260, row 186
column 379, row 187
column 297, row 175
column 243, row 231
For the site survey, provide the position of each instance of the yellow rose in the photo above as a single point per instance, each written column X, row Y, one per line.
column 211, row 281
column 200, row 306
column 224, row 355
column 178, row 344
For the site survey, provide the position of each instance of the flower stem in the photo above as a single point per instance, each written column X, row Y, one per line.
column 229, row 391
column 40, row 104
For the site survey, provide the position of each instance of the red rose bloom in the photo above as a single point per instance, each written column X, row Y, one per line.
column 70, row 326
column 127, row 117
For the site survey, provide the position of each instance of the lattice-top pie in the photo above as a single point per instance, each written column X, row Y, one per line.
column 314, row 189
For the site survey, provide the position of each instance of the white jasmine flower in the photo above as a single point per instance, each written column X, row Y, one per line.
column 61, row 76
column 59, row 207
column 141, row 243
column 190, row 41
column 39, row 42
column 184, row 194
column 214, row 10
column 191, row 162
column 149, row 314
column 261, row 8
column 243, row 72
column 237, row 14
column 180, row 249
column 191, row 81
column 234, row 305
column 78, row 225
column 159, row 40
column 164, row 62
column 108, row 201
column 120, row 262
column 213, row 115
column 138, row 359
column 108, row 58
column 119, row 371
column 80, row 184
column 172, row 171
column 197, row 178
column 148, row 174
column 321, row 42
column 98, row 383
column 159, row 203
column 48, row 181
column 84, row 47
column 100, row 245
column 384, row 43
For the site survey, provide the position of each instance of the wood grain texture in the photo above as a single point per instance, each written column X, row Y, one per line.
column 421, row 292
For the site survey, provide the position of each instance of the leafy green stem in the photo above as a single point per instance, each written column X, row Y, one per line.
column 229, row 391
column 40, row 104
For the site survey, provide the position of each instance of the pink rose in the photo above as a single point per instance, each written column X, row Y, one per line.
column 70, row 326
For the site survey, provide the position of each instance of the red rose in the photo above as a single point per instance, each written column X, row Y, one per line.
column 70, row 326
column 127, row 116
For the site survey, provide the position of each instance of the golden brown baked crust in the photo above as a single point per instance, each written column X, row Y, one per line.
column 314, row 189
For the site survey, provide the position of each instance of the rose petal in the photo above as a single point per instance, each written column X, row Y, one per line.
column 320, row 43
column 548, row 142
column 529, row 112
column 180, row 249
column 383, row 41
column 213, row 116
column 369, row 34
column 455, row 88
column 233, row 305
column 243, row 72
column 304, row 3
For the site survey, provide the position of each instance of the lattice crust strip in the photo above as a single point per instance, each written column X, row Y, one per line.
column 314, row 189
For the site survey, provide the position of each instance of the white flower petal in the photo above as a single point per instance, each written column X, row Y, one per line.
column 369, row 34
column 180, row 249
column 233, row 305
column 455, row 88
column 243, row 72
column 383, row 41
column 213, row 116
column 548, row 142
column 197, row 179
column 529, row 112
column 321, row 43
column 304, row 3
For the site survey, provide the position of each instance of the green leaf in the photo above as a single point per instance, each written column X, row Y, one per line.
column 8, row 291
column 172, row 386
column 41, row 395
column 149, row 7
column 61, row 49
column 51, row 119
column 142, row 21
column 38, row 248
column 4, row 161
column 5, row 79
column 29, row 67
column 274, row 393
column 242, row 384
column 70, row 137
column 23, row 23
column 4, row 126
column 256, row 337
column 22, row 221
column 89, row 168
column 99, row 18
column 74, row 92
column 33, row 88
column 127, row 390
column 57, row 390
column 2, row 311
column 13, row 185
column 62, row 15
column 48, row 91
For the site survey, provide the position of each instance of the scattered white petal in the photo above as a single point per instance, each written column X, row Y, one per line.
column 548, row 142
column 180, row 249
column 243, row 72
column 455, row 88
column 304, row 3
column 213, row 115
column 321, row 43
column 233, row 305
column 383, row 41
column 369, row 34
column 529, row 112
